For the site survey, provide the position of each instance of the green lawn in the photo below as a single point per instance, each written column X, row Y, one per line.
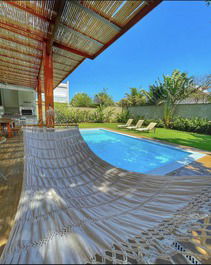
column 196, row 140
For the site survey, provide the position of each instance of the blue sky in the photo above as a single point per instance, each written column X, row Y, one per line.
column 175, row 35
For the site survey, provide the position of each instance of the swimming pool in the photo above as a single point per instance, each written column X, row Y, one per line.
column 135, row 154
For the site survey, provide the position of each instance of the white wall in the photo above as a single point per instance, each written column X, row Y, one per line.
column 61, row 93
column 14, row 99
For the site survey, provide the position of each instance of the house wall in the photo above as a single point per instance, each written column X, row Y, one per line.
column 182, row 110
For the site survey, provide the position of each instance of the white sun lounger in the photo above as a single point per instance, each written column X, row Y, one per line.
column 138, row 125
column 129, row 122
column 150, row 127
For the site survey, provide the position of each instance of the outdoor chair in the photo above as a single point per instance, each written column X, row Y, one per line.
column 138, row 125
column 150, row 127
column 129, row 122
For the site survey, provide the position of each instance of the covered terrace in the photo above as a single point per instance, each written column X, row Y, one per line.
column 42, row 42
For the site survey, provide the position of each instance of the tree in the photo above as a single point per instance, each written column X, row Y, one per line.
column 136, row 97
column 81, row 100
column 103, row 99
column 171, row 91
column 203, row 83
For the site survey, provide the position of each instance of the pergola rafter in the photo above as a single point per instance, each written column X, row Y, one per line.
column 50, row 34
column 24, row 72
column 19, row 59
column 29, row 10
column 20, row 42
column 22, row 52
column 21, row 65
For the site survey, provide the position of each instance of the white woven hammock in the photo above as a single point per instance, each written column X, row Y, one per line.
column 76, row 208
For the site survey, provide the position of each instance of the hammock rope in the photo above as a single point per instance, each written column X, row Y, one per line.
column 76, row 208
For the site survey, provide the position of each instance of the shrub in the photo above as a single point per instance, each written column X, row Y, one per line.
column 66, row 114
column 197, row 125
column 123, row 116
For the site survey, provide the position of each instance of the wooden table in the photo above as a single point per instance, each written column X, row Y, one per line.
column 9, row 124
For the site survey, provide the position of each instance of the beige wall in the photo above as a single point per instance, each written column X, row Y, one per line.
column 183, row 110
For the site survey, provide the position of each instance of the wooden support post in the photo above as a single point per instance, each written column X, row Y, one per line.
column 39, row 92
column 48, row 83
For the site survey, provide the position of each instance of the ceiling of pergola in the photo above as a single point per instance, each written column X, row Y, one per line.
column 72, row 30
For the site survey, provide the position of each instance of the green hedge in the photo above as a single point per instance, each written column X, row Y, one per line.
column 65, row 114
column 197, row 125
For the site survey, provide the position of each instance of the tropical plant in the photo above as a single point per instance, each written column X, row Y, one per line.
column 171, row 91
column 136, row 97
column 81, row 100
column 103, row 99
column 123, row 116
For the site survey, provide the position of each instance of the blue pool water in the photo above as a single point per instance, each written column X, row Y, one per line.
column 134, row 154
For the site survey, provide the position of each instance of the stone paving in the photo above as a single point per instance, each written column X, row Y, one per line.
column 196, row 168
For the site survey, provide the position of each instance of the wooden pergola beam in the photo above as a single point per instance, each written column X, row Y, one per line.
column 62, row 55
column 6, row 72
column 12, row 63
column 48, row 86
column 132, row 22
column 61, row 63
column 39, row 93
column 71, row 71
column 97, row 15
column 20, row 32
column 22, row 52
column 20, row 42
column 16, row 82
column 53, row 26
column 17, row 79
column 25, row 30
column 83, row 35
column 18, row 59
column 69, row 49
column 17, row 71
